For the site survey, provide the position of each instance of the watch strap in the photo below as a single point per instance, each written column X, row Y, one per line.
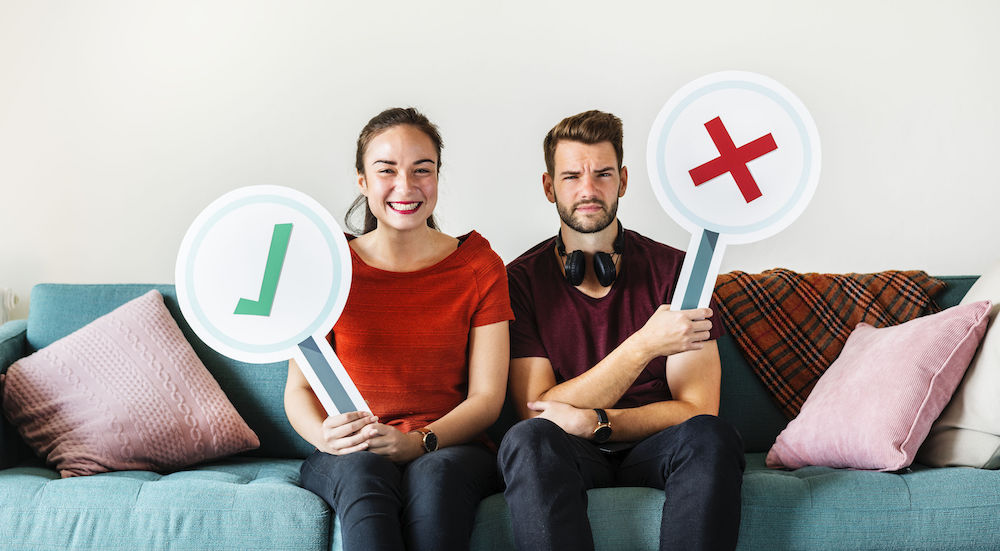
column 602, row 432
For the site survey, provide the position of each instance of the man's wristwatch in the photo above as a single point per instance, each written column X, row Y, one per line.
column 430, row 440
column 603, row 431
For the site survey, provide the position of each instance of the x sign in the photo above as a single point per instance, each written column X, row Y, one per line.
column 721, row 192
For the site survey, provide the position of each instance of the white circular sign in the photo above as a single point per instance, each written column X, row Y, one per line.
column 735, row 153
column 260, row 270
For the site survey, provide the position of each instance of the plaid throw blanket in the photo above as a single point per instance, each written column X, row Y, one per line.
column 790, row 326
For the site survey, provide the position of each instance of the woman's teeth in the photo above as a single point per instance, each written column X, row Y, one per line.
column 404, row 207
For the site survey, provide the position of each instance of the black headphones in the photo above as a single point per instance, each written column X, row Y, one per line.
column 604, row 264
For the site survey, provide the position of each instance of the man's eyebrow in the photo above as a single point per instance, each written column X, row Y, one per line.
column 608, row 168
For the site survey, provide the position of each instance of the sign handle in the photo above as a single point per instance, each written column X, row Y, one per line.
column 699, row 271
column 327, row 377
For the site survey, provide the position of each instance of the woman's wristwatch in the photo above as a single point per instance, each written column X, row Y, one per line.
column 429, row 440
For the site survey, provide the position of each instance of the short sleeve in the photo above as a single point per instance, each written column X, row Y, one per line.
column 525, row 339
column 717, row 328
column 494, row 300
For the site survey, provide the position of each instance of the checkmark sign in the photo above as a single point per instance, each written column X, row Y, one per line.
column 272, row 271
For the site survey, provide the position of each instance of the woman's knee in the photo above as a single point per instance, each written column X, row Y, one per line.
column 434, row 467
column 465, row 473
column 333, row 476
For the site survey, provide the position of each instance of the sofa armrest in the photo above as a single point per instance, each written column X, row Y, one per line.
column 13, row 341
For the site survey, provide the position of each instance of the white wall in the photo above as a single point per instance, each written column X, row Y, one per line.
column 120, row 121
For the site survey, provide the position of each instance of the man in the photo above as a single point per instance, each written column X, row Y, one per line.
column 615, row 388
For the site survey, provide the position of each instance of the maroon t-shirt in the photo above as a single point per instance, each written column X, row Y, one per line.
column 554, row 320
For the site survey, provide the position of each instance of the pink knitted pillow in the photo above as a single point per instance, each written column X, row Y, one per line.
column 124, row 392
column 875, row 404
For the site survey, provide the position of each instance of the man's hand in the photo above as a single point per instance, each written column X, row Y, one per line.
column 575, row 421
column 669, row 332
column 342, row 433
column 394, row 444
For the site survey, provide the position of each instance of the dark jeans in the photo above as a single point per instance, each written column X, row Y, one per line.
column 698, row 464
column 429, row 503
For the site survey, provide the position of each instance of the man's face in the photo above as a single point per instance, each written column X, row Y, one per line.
column 586, row 185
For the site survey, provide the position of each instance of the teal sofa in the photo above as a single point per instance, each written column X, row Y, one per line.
column 253, row 500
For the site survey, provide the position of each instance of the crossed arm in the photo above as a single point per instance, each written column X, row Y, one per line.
column 355, row 431
column 693, row 376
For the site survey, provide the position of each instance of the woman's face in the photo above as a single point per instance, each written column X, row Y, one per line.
column 400, row 178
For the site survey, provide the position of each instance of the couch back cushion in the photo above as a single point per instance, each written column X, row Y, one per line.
column 255, row 390
column 748, row 405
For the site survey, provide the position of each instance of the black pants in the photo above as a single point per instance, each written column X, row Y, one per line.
column 429, row 503
column 699, row 465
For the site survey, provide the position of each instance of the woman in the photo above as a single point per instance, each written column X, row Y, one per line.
column 424, row 337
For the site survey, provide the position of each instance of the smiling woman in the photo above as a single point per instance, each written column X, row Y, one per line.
column 389, row 119
column 424, row 338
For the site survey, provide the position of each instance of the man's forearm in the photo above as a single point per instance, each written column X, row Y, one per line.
column 604, row 384
column 666, row 333
column 638, row 423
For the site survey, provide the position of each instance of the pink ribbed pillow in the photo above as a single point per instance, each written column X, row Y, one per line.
column 875, row 404
column 124, row 392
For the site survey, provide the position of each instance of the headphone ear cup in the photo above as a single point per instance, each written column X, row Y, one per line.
column 604, row 268
column 575, row 268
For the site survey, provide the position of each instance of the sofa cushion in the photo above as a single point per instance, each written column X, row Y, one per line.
column 875, row 405
column 244, row 503
column 825, row 508
column 968, row 431
column 124, row 392
column 620, row 518
column 810, row 508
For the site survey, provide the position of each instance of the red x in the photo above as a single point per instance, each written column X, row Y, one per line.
column 732, row 159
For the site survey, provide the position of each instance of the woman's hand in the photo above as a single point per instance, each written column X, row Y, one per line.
column 343, row 433
column 395, row 445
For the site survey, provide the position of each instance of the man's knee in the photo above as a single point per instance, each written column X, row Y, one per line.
column 530, row 440
column 531, row 431
column 712, row 438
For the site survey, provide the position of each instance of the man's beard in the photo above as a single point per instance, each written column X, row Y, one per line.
column 587, row 226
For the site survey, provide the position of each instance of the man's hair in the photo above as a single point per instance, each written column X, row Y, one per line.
column 589, row 127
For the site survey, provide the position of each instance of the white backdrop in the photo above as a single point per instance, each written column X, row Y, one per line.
column 120, row 121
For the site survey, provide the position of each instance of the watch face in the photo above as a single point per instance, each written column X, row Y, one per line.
column 430, row 441
column 602, row 434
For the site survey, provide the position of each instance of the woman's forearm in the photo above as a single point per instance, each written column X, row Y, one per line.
column 305, row 414
column 489, row 353
column 468, row 420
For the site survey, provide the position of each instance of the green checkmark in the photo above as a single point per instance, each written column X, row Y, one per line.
column 272, row 270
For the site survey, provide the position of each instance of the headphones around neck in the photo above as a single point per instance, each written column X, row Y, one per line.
column 604, row 264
